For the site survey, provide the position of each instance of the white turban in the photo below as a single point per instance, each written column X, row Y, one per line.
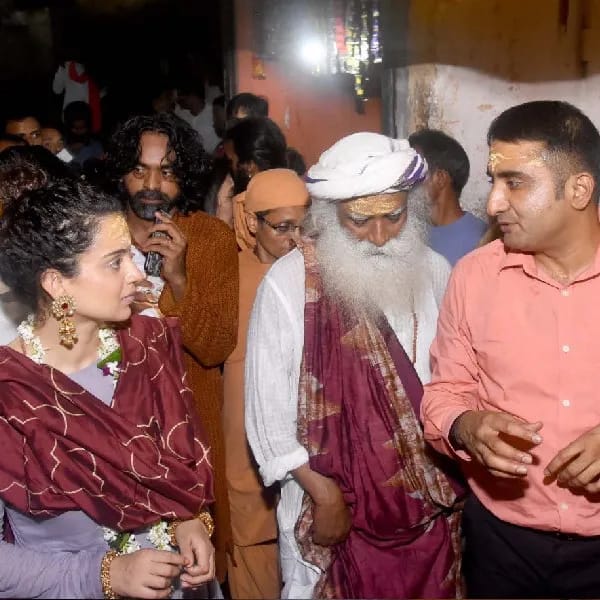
column 364, row 164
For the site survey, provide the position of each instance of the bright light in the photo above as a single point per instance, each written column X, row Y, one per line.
column 312, row 52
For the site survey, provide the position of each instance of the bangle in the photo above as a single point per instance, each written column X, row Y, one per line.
column 107, row 590
column 171, row 532
column 204, row 517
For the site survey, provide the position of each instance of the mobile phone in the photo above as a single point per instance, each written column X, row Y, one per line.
column 153, row 262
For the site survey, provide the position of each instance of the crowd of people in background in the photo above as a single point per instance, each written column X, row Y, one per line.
column 229, row 373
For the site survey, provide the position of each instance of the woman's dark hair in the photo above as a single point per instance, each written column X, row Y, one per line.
column 221, row 168
column 26, row 168
column 255, row 106
column 258, row 140
column 48, row 228
column 192, row 165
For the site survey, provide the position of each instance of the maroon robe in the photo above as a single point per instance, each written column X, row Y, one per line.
column 357, row 417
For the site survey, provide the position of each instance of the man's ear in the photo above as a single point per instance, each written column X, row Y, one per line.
column 252, row 222
column 579, row 189
column 440, row 179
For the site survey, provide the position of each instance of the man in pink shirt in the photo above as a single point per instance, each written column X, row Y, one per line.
column 515, row 391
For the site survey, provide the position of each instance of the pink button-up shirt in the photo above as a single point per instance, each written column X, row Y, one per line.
column 511, row 339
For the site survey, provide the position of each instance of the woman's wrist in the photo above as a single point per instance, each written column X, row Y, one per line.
column 203, row 516
column 105, row 575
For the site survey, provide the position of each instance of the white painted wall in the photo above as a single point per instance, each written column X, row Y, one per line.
column 463, row 102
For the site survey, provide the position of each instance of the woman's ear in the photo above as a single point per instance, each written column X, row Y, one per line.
column 52, row 282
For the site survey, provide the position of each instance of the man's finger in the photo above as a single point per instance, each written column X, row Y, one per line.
column 503, row 449
column 582, row 476
column 521, row 430
column 503, row 465
column 562, row 458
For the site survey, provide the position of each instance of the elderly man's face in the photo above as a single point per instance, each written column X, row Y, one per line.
column 376, row 219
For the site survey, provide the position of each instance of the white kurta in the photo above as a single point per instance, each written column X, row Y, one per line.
column 274, row 354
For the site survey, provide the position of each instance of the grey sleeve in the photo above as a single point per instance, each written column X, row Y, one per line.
column 26, row 573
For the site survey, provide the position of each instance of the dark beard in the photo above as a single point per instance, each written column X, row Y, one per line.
column 147, row 211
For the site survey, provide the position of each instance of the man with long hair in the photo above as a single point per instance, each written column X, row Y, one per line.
column 158, row 166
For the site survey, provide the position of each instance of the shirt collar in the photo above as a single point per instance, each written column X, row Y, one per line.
column 526, row 261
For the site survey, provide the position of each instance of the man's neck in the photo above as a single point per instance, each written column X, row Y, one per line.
column 571, row 259
column 446, row 210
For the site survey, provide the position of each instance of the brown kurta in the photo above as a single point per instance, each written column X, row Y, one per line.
column 253, row 519
column 208, row 318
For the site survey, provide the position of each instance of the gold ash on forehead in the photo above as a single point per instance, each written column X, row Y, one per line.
column 374, row 205
column 535, row 158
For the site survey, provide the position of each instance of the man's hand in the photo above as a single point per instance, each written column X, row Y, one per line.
column 578, row 465
column 197, row 551
column 145, row 573
column 173, row 249
column 332, row 520
column 493, row 439
column 331, row 516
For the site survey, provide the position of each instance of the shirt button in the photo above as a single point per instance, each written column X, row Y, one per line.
column 564, row 506
column 565, row 293
column 566, row 348
column 566, row 403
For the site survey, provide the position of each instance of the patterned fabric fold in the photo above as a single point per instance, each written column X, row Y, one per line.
column 126, row 466
column 357, row 417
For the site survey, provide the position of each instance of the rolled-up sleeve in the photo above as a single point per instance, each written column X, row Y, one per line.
column 271, row 388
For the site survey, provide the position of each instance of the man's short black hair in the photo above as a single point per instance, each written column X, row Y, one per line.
column 569, row 136
column 255, row 106
column 443, row 153
column 77, row 111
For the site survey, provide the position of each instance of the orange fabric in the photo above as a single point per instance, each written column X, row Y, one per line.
column 267, row 190
column 255, row 572
column 208, row 319
column 253, row 518
column 511, row 339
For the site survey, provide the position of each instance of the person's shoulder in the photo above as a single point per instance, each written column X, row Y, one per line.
column 288, row 267
column 474, row 221
column 207, row 225
column 484, row 261
column 435, row 260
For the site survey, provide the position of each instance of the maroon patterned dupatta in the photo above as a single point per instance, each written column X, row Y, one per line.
column 357, row 417
column 126, row 466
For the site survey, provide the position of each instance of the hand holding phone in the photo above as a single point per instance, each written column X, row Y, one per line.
column 153, row 263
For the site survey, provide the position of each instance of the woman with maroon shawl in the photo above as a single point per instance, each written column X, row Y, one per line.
column 104, row 475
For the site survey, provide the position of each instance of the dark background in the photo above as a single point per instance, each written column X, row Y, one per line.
column 129, row 46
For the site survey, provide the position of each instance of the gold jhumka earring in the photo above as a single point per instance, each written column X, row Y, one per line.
column 62, row 309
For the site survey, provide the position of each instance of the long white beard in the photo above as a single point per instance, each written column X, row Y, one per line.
column 363, row 277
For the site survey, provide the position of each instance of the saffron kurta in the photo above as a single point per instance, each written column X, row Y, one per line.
column 255, row 569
